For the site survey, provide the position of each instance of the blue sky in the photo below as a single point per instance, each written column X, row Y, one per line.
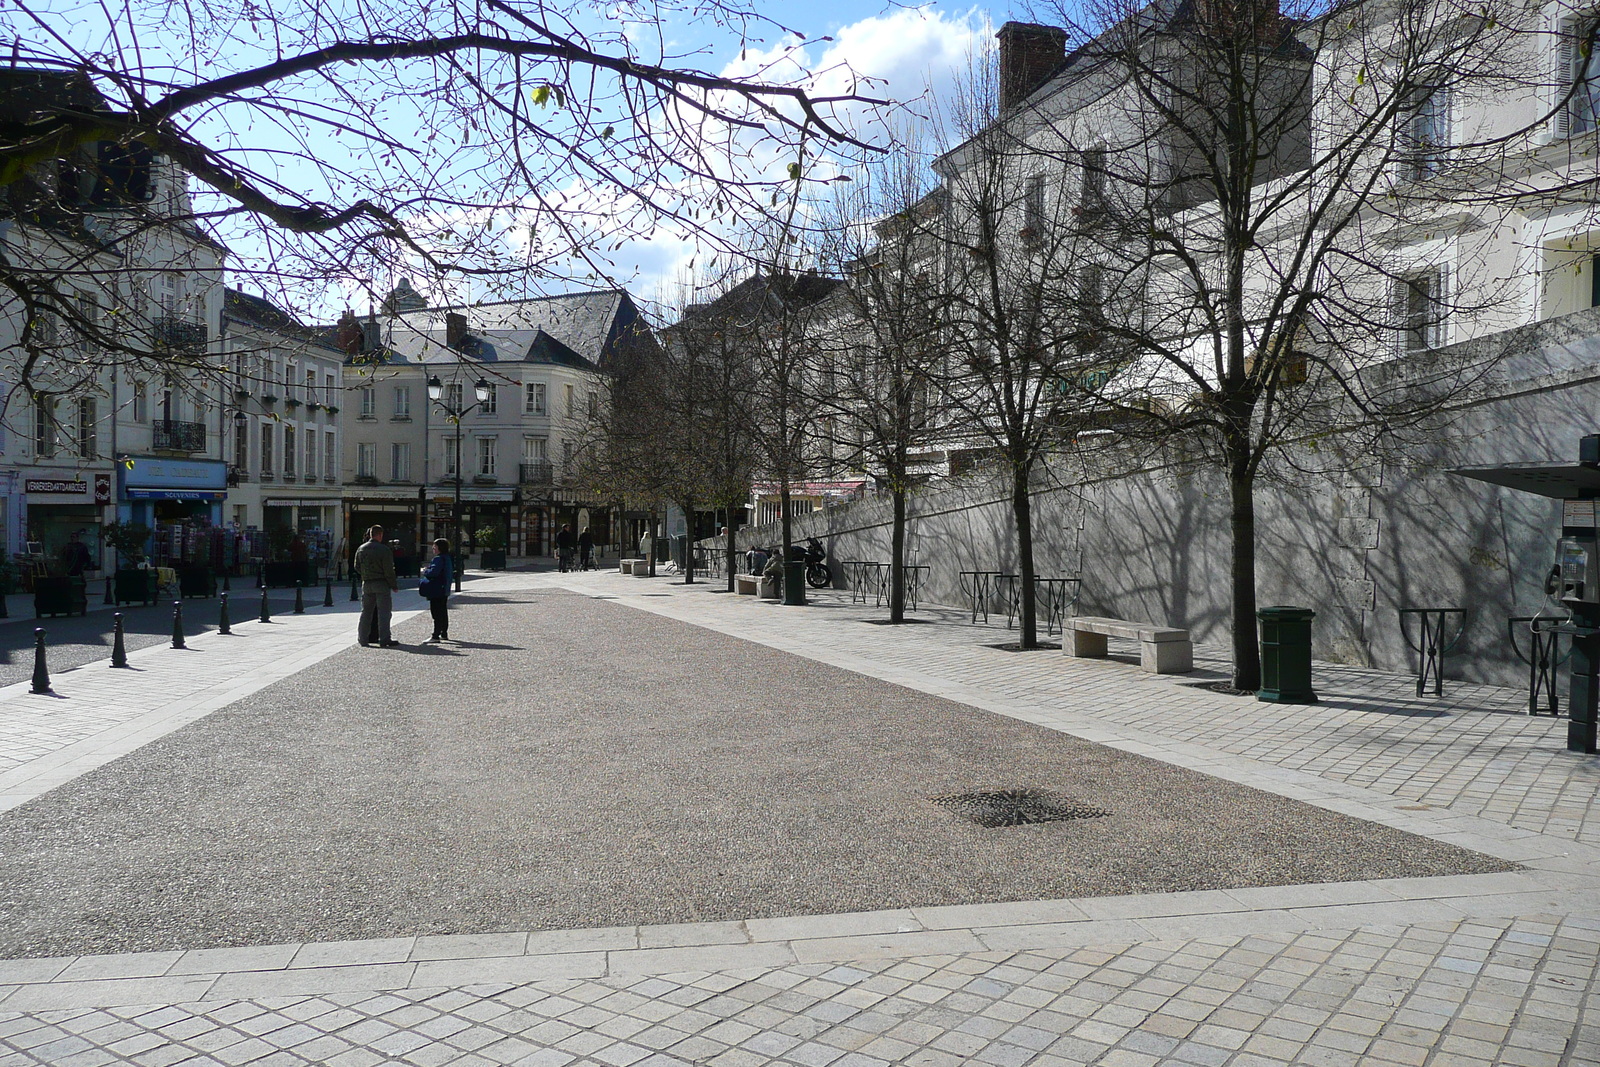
column 908, row 52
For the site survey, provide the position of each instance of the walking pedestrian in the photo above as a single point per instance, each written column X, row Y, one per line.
column 435, row 586
column 585, row 550
column 374, row 565
column 564, row 543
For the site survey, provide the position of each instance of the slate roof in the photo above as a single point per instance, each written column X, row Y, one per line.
column 251, row 310
column 582, row 330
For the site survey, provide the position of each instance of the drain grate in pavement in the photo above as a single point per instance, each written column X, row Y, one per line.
column 1016, row 646
column 1015, row 807
column 1225, row 688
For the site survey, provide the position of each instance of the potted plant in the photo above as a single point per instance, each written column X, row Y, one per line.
column 493, row 548
column 132, row 581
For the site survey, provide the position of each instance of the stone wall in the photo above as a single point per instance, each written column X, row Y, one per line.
column 1355, row 546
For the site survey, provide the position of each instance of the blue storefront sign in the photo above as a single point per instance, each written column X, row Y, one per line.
column 153, row 478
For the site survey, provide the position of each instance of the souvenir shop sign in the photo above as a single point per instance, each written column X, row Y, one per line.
column 150, row 478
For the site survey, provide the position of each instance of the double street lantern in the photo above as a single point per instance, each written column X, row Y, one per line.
column 455, row 412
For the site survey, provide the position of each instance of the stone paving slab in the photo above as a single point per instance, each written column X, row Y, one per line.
column 1499, row 969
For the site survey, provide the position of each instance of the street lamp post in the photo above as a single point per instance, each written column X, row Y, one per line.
column 454, row 413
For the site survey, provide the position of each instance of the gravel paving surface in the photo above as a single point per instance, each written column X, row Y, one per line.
column 575, row 762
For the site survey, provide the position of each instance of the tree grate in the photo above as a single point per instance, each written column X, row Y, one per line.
column 1016, row 807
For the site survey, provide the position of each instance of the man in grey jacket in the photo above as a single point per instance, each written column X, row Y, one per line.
column 374, row 564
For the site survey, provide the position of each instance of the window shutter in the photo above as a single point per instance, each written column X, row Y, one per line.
column 1563, row 59
column 1439, row 313
column 1399, row 306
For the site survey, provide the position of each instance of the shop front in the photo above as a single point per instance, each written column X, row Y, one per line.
column 61, row 505
column 181, row 501
column 398, row 511
column 481, row 507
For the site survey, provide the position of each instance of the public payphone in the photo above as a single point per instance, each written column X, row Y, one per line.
column 1575, row 579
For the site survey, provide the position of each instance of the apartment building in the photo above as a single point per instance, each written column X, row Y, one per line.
column 284, row 412
column 488, row 401
column 110, row 410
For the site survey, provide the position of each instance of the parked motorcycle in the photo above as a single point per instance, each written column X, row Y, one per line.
column 818, row 574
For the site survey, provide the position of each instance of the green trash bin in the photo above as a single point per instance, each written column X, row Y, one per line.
column 1286, row 655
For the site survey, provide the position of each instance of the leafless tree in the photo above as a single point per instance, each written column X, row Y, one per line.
column 504, row 143
column 878, row 338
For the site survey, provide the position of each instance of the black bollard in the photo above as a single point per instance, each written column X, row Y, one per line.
column 177, row 624
column 110, row 587
column 227, row 586
column 299, row 597
column 119, row 651
column 327, row 593
column 266, row 615
column 223, row 626
column 4, row 614
column 41, row 673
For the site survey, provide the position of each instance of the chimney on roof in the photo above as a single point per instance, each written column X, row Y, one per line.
column 1029, row 53
column 455, row 330
column 349, row 334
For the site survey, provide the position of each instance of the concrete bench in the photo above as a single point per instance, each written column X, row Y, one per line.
column 755, row 585
column 1162, row 649
column 625, row 566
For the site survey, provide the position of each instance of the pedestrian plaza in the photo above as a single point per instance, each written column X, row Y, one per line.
column 1498, row 966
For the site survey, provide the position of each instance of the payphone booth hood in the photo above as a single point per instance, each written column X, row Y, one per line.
column 1558, row 481
column 1566, row 481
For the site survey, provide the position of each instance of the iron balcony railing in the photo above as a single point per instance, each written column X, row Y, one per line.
column 173, row 436
column 180, row 334
column 539, row 472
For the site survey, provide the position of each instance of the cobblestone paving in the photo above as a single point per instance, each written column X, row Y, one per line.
column 1465, row 993
column 1509, row 979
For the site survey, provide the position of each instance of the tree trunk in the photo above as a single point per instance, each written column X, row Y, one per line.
column 1022, row 511
column 1246, row 650
column 897, row 558
column 733, row 552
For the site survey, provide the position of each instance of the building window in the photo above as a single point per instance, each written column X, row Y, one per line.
column 330, row 456
column 366, row 460
column 88, row 418
column 290, row 390
column 594, row 404
column 570, row 404
column 452, row 449
column 1427, row 132
column 44, row 426
column 330, row 392
column 1033, row 210
column 533, row 399
column 369, row 402
column 400, row 462
column 535, row 449
column 491, row 403
column 488, row 453
column 452, row 397
column 311, row 387
column 141, row 403
column 288, row 451
column 1420, row 312
column 266, row 447
column 1093, row 198
column 311, row 454
column 402, row 401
